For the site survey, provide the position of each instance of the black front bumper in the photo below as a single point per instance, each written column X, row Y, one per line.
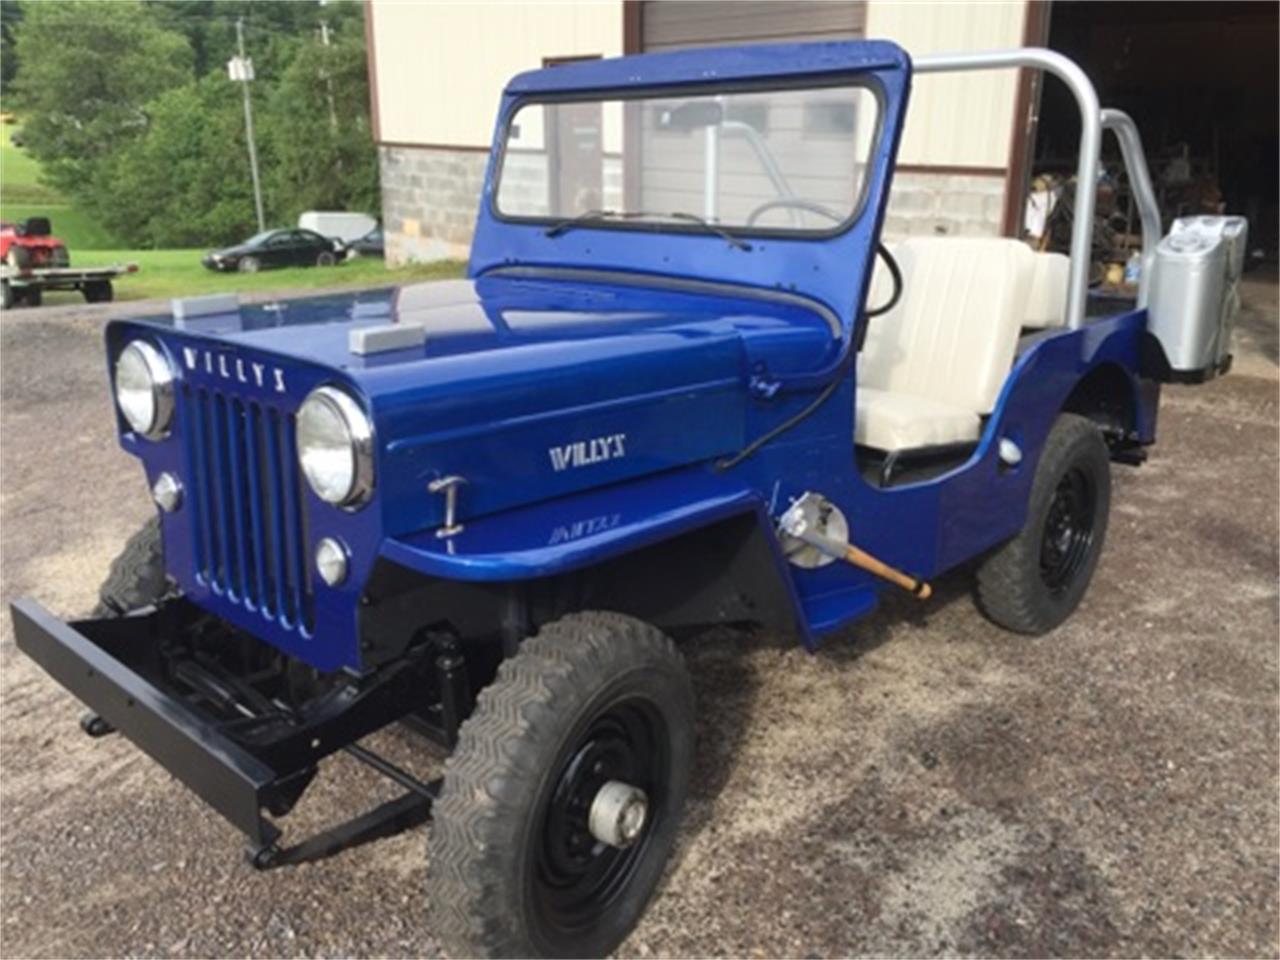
column 240, row 752
column 100, row 662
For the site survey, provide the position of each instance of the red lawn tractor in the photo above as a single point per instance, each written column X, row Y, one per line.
column 33, row 260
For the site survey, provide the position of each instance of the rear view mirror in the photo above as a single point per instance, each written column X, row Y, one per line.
column 691, row 115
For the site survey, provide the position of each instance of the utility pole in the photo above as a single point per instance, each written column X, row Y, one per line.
column 240, row 68
column 328, row 81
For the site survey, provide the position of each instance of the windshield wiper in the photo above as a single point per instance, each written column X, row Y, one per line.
column 596, row 216
column 592, row 216
column 715, row 228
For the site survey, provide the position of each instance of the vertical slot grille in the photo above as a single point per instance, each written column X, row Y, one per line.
column 248, row 518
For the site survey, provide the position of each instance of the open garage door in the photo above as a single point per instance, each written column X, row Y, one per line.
column 1200, row 81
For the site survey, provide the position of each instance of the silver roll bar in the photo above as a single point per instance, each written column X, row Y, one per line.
column 1090, row 146
column 1135, row 163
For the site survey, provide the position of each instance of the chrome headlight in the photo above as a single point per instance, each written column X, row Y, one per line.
column 335, row 447
column 144, row 389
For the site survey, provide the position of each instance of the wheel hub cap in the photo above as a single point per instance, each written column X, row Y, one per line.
column 618, row 814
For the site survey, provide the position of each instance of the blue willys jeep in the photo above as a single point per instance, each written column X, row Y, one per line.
column 684, row 384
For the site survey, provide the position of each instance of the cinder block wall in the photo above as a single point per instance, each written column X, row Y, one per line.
column 942, row 204
column 429, row 201
column 430, row 196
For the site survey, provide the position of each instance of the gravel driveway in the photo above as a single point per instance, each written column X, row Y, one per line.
column 925, row 785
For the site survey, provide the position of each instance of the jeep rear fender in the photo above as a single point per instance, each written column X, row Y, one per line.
column 709, row 538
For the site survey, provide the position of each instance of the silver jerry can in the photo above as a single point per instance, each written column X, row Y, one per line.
column 1195, row 294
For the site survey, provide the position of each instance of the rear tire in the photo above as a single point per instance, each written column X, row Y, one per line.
column 516, row 869
column 136, row 578
column 1036, row 580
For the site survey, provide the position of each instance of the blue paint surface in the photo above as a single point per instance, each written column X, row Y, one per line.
column 588, row 414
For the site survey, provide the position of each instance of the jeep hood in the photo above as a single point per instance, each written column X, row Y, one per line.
column 527, row 388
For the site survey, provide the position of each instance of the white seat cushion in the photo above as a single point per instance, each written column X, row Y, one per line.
column 945, row 349
column 900, row 421
column 1047, row 300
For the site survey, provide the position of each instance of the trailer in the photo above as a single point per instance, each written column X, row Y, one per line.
column 33, row 260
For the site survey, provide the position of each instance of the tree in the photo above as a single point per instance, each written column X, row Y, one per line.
column 10, row 15
column 87, row 73
column 129, row 109
column 319, row 131
column 185, row 181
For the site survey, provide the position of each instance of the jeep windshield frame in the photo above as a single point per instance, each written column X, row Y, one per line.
column 703, row 103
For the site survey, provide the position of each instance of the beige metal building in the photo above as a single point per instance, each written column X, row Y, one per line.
column 438, row 69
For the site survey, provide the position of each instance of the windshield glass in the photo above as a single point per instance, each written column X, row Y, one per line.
column 759, row 160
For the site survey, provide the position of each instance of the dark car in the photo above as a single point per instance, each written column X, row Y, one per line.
column 370, row 245
column 277, row 248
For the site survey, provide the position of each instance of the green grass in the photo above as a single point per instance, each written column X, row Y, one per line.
column 20, row 174
column 179, row 273
column 22, row 195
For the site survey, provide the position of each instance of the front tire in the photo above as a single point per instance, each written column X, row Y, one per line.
column 136, row 578
column 248, row 265
column 326, row 259
column 1036, row 580
column 517, row 865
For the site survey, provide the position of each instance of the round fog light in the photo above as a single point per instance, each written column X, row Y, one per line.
column 331, row 561
column 167, row 492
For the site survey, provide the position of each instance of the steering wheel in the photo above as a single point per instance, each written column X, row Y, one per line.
column 809, row 206
column 792, row 203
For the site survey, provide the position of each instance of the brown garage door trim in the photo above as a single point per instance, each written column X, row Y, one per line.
column 1026, row 114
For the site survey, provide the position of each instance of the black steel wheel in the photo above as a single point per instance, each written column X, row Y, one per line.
column 562, row 799
column 1035, row 581
column 1067, row 539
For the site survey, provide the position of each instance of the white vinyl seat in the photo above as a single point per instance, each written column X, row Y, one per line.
column 932, row 367
column 1047, row 300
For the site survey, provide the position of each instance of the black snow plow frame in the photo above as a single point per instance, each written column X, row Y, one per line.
column 108, row 665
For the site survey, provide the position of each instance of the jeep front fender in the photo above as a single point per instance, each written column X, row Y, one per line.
column 558, row 537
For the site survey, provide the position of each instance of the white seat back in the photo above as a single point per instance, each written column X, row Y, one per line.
column 952, row 336
column 1047, row 301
